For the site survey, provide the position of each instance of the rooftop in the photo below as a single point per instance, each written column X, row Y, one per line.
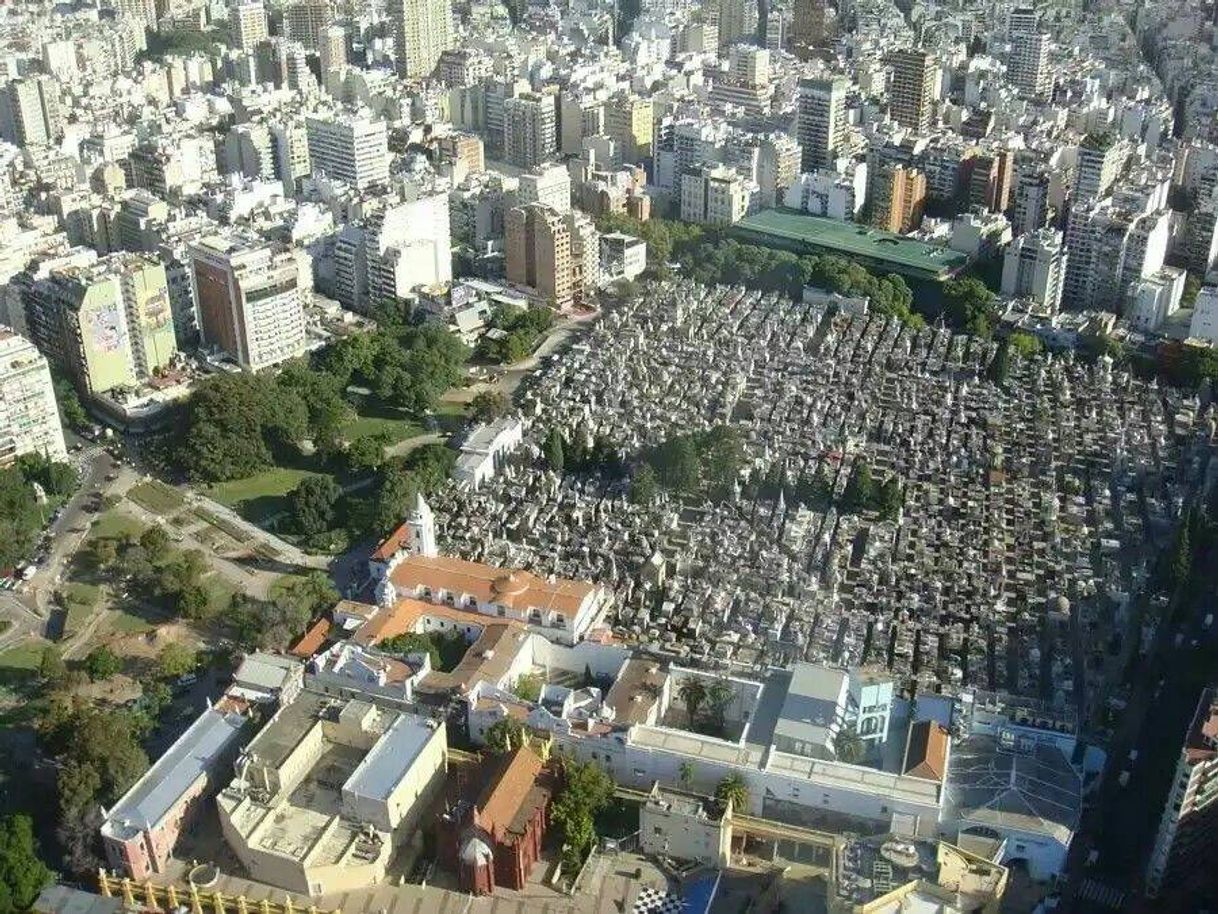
column 383, row 768
column 898, row 253
column 1026, row 785
column 195, row 751
column 489, row 584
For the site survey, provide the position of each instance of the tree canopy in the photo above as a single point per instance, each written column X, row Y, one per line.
column 22, row 873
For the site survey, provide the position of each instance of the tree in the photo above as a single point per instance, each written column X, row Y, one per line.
column 488, row 405
column 860, row 492
column 643, row 486
column 102, row 663
column 676, row 464
column 51, row 668
column 848, row 746
column 969, row 306
column 586, row 790
column 104, row 551
column 1000, row 368
column 718, row 697
column 311, row 594
column 175, row 660
column 890, row 499
column 398, row 491
column 312, row 504
column 732, row 789
column 71, row 413
column 693, row 694
column 23, row 875
column 528, row 688
column 504, row 735
column 367, row 452
column 233, row 422
column 685, row 774
column 553, row 450
column 1192, row 288
column 156, row 543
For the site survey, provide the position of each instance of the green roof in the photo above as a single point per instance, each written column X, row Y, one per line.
column 816, row 234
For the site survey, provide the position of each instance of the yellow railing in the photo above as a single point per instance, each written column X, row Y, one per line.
column 153, row 897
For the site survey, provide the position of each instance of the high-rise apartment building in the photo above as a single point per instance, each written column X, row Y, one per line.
column 546, row 184
column 539, row 253
column 1028, row 68
column 306, row 21
column 899, row 198
column 108, row 323
column 912, row 93
column 629, row 120
column 349, row 147
column 1184, row 844
column 530, row 128
column 807, row 27
column 820, row 124
column 1100, row 161
column 1034, row 267
column 249, row 298
column 29, row 111
column 737, row 20
column 248, row 21
column 332, row 55
column 408, row 244
column 1030, row 209
column 29, row 417
column 422, row 31
column 585, row 254
column 1204, row 323
column 989, row 180
column 714, row 195
column 1111, row 247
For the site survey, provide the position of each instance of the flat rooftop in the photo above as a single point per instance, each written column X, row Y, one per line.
column 383, row 768
column 194, row 752
column 810, row 234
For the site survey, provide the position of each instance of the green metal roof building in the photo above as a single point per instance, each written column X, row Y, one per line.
column 880, row 251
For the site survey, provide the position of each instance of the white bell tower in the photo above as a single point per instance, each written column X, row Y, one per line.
column 422, row 529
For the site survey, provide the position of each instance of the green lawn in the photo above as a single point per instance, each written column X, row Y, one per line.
column 157, row 497
column 23, row 657
column 114, row 523
column 259, row 496
column 129, row 623
column 395, row 429
column 80, row 600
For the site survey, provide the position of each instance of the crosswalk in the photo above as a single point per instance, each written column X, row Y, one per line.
column 1102, row 894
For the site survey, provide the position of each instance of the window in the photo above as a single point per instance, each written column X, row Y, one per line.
column 657, row 830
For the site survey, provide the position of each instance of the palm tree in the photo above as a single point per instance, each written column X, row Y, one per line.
column 732, row 789
column 685, row 774
column 693, row 693
column 718, row 697
column 848, row 746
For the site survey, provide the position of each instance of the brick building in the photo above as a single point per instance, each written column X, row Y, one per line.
column 496, row 840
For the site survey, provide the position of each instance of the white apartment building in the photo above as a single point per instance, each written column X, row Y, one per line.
column 1185, row 840
column 548, row 184
column 837, row 194
column 714, row 195
column 1155, row 298
column 249, row 298
column 1204, row 325
column 1034, row 267
column 622, row 256
column 350, row 147
column 408, row 244
column 29, row 417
